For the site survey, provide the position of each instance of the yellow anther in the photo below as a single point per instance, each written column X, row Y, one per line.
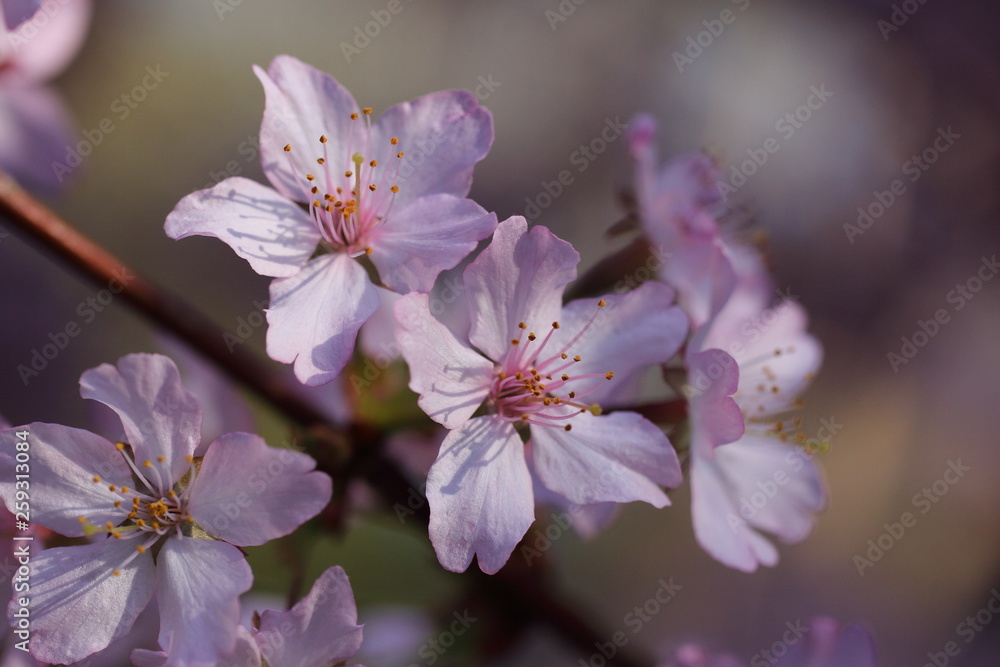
column 147, row 464
column 368, row 251
column 555, row 325
column 109, row 525
column 171, row 493
column 564, row 377
column 116, row 573
column 288, row 147
column 564, row 356
column 81, row 519
column 367, row 111
column 601, row 303
column 531, row 336
column 141, row 549
column 116, row 536
column 348, row 174
column 96, row 479
column 576, row 358
column 595, row 409
column 120, row 446
column 322, row 138
column 310, row 177
column 111, row 488
column 394, row 189
column 320, row 160
column 372, row 187
column 513, row 341
column 572, row 394
column 399, row 154
column 124, row 489
column 189, row 458
column 394, row 141
column 609, row 374
column 161, row 459
column 118, row 504
column 568, row 427
column 373, row 163
column 354, row 116
column 140, row 523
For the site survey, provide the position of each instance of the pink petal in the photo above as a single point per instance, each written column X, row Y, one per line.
column 272, row 233
column 247, row 493
column 161, row 418
column 315, row 315
column 519, row 277
column 16, row 12
column 754, row 484
column 302, row 104
column 480, row 495
column 451, row 379
column 632, row 332
column 63, row 463
column 35, row 130
column 442, row 135
column 619, row 457
column 245, row 654
column 423, row 238
column 716, row 418
column 700, row 269
column 39, row 51
column 78, row 606
column 198, row 584
column 377, row 338
column 320, row 630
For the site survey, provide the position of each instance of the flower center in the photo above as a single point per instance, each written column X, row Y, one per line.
column 351, row 194
column 146, row 516
column 532, row 385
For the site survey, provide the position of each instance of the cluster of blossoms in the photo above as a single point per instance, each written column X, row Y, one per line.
column 539, row 399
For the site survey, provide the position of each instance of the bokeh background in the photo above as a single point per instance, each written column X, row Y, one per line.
column 553, row 74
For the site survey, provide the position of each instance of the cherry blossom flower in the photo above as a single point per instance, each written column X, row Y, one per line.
column 531, row 368
column 754, row 363
column 35, row 126
column 171, row 524
column 676, row 203
column 319, row 631
column 392, row 191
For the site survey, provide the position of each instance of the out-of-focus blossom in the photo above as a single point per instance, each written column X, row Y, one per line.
column 166, row 518
column 321, row 630
column 36, row 130
column 16, row 12
column 824, row 643
column 544, row 387
column 365, row 198
column 676, row 208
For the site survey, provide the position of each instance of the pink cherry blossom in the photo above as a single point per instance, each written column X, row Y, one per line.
column 172, row 524
column 320, row 630
column 392, row 191
column 676, row 208
column 745, row 476
column 531, row 368
column 35, row 126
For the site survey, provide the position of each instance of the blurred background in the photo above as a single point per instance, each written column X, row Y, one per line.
column 899, row 80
